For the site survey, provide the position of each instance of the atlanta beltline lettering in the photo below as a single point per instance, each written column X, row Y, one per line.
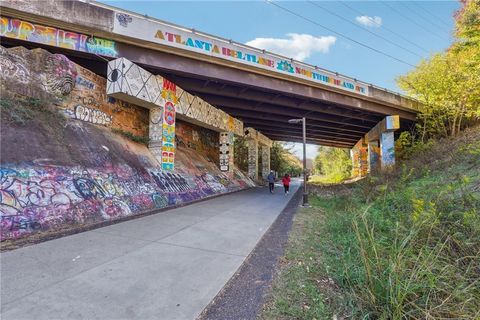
column 280, row 65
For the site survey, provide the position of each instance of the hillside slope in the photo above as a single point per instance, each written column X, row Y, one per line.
column 68, row 155
column 404, row 245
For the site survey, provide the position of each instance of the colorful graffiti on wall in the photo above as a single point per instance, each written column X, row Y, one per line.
column 35, row 198
column 79, row 92
column 23, row 30
column 117, row 178
column 92, row 115
column 387, row 149
column 359, row 157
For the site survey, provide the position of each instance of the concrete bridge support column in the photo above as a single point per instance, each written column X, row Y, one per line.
column 387, row 150
column 226, row 153
column 359, row 155
column 168, row 136
column 155, row 132
column 265, row 161
column 129, row 82
column 383, row 133
column 252, row 145
column 373, row 156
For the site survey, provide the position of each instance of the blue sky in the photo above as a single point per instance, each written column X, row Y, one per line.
column 425, row 27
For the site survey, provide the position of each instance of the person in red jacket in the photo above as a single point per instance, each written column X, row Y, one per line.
column 286, row 183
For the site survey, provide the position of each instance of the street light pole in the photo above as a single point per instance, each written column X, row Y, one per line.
column 305, row 180
column 304, row 129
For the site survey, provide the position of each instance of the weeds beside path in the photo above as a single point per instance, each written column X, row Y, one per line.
column 400, row 246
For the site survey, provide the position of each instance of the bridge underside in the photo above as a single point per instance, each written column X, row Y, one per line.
column 262, row 102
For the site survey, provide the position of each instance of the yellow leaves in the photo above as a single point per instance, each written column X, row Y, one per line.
column 424, row 212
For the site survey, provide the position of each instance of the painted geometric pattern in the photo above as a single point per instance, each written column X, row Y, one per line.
column 196, row 108
column 126, row 77
column 123, row 76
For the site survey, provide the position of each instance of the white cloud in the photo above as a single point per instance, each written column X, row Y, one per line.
column 369, row 21
column 296, row 46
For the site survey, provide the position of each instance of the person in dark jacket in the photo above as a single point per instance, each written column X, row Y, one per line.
column 286, row 183
column 271, row 181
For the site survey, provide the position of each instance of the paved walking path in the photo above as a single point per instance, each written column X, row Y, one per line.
column 164, row 266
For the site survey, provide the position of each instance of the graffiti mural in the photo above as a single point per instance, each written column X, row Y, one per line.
column 23, row 30
column 13, row 67
column 36, row 198
column 92, row 115
column 92, row 175
column 60, row 74
column 77, row 91
column 387, row 149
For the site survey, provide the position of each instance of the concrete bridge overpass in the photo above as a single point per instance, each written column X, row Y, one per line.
column 261, row 89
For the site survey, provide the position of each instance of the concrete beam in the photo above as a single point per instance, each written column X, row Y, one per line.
column 389, row 124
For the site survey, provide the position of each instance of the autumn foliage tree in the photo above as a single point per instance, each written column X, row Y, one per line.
column 448, row 84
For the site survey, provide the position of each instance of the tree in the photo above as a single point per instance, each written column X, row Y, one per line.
column 448, row 84
column 283, row 161
column 334, row 163
column 240, row 152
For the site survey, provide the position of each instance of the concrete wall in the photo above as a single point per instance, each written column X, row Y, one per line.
column 60, row 173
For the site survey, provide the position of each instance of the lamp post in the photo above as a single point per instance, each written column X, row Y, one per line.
column 304, row 127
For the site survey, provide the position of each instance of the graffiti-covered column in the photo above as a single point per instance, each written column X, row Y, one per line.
column 359, row 155
column 226, row 153
column 155, row 132
column 265, row 161
column 383, row 132
column 129, row 82
column 387, row 150
column 252, row 145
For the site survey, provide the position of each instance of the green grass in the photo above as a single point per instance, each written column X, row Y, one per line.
column 326, row 179
column 405, row 245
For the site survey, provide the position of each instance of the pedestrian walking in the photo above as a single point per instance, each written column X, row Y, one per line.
column 286, row 183
column 271, row 181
